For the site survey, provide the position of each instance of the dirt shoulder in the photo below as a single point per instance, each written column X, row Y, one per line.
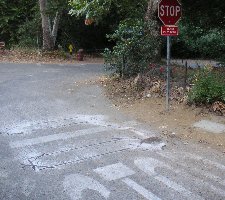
column 55, row 57
column 177, row 123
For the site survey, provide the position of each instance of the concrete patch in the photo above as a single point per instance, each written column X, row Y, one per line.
column 114, row 172
column 210, row 126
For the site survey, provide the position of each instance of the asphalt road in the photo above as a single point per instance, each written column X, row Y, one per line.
column 61, row 139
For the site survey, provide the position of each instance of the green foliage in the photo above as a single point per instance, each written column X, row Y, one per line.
column 29, row 33
column 206, row 14
column 92, row 9
column 212, row 43
column 99, row 9
column 135, row 48
column 195, row 41
column 208, row 87
column 13, row 14
column 57, row 5
column 20, row 20
column 222, row 60
column 202, row 30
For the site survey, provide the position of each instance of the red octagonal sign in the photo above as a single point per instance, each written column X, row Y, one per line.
column 169, row 11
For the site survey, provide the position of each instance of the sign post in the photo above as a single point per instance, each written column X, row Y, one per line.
column 169, row 12
column 168, row 74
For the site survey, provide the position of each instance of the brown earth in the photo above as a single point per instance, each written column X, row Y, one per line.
column 177, row 123
column 55, row 57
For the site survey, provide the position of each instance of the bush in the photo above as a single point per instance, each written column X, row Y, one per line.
column 194, row 41
column 222, row 61
column 212, row 44
column 136, row 46
column 208, row 87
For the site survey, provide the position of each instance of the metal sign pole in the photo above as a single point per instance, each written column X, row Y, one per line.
column 168, row 75
column 169, row 12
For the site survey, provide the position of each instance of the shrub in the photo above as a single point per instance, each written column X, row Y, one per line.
column 222, row 61
column 208, row 87
column 194, row 41
column 136, row 46
column 212, row 43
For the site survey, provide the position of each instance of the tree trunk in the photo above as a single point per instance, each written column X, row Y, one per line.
column 152, row 9
column 56, row 26
column 151, row 16
column 49, row 34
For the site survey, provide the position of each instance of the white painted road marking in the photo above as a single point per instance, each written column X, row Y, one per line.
column 148, row 165
column 204, row 160
column 198, row 181
column 28, row 127
column 114, row 172
column 194, row 169
column 141, row 190
column 55, row 137
column 118, row 171
column 75, row 184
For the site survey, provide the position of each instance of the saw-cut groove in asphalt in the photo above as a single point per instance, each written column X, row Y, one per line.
column 55, row 137
column 76, row 148
column 37, row 160
column 76, row 161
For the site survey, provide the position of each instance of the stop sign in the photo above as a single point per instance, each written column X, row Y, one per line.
column 169, row 11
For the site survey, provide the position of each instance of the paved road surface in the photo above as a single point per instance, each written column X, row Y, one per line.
column 61, row 139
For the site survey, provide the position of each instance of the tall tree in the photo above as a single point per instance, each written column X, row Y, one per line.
column 151, row 10
column 151, row 16
column 97, row 9
column 50, row 25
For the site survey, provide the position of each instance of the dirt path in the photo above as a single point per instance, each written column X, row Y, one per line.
column 55, row 57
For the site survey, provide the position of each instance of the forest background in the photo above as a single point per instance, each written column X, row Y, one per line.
column 202, row 28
